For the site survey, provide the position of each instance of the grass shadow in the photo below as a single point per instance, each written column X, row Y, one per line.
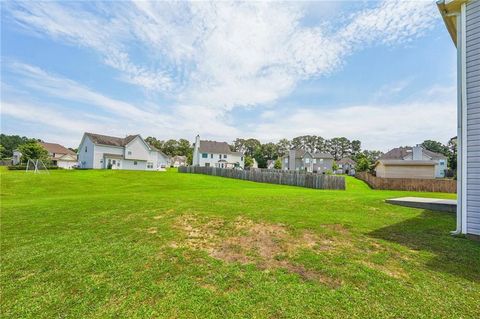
column 430, row 232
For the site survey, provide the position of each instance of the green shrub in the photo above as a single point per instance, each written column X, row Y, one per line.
column 24, row 167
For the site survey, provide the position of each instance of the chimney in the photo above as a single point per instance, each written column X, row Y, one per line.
column 291, row 160
column 197, row 141
column 417, row 152
column 196, row 155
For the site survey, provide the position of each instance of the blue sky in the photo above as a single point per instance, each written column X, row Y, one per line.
column 382, row 72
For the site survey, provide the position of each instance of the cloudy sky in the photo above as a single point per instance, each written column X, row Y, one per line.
column 382, row 72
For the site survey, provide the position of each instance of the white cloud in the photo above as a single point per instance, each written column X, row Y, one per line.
column 211, row 57
column 222, row 54
column 378, row 126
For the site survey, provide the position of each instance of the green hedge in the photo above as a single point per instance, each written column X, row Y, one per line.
column 23, row 167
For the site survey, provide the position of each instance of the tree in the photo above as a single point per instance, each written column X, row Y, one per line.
column 251, row 146
column 33, row 150
column 11, row 142
column 452, row 150
column 335, row 166
column 248, row 162
column 363, row 165
column 2, row 151
column 154, row 142
column 270, row 151
column 170, row 147
column 436, row 147
column 283, row 146
column 184, row 148
column 277, row 164
column 356, row 147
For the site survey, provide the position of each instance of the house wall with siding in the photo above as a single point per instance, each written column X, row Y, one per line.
column 408, row 171
column 99, row 152
column 138, row 150
column 472, row 26
column 85, row 153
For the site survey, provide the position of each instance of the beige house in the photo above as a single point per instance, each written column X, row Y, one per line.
column 60, row 155
column 405, row 169
column 411, row 162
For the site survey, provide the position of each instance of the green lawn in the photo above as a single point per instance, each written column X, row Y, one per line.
column 118, row 244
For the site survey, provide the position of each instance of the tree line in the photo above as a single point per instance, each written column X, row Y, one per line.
column 338, row 147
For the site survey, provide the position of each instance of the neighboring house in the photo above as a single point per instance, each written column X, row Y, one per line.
column 255, row 163
column 271, row 164
column 178, row 161
column 17, row 155
column 411, row 162
column 60, row 156
column 132, row 152
column 462, row 20
column 310, row 162
column 216, row 154
column 346, row 166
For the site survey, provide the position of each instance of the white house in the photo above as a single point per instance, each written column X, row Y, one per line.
column 411, row 162
column 132, row 152
column 178, row 161
column 216, row 154
column 17, row 155
column 462, row 19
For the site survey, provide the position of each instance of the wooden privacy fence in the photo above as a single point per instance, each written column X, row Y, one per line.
column 293, row 178
column 409, row 184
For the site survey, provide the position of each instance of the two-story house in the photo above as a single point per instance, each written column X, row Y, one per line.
column 132, row 152
column 216, row 154
column 307, row 161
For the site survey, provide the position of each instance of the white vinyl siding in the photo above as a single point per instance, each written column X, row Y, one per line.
column 472, row 45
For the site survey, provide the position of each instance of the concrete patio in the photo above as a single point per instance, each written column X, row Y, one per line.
column 442, row 205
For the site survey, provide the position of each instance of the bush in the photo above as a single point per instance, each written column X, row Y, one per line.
column 24, row 167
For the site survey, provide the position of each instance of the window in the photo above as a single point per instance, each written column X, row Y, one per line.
column 85, row 149
column 222, row 165
column 207, row 164
column 134, row 163
column 314, row 161
column 286, row 159
column 321, row 160
column 149, row 165
column 307, row 160
column 211, row 155
column 114, row 162
column 101, row 161
column 220, row 156
column 225, row 156
column 204, row 155
column 241, row 158
column 129, row 152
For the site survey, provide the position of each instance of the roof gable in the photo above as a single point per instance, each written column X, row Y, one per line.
column 215, row 147
column 56, row 148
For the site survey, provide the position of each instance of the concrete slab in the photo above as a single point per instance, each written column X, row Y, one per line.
column 442, row 205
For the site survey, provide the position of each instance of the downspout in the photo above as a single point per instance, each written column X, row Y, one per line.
column 461, row 122
column 459, row 44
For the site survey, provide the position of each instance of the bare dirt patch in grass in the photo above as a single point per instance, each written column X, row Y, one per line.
column 268, row 246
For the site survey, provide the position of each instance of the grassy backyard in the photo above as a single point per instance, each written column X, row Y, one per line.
column 96, row 244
